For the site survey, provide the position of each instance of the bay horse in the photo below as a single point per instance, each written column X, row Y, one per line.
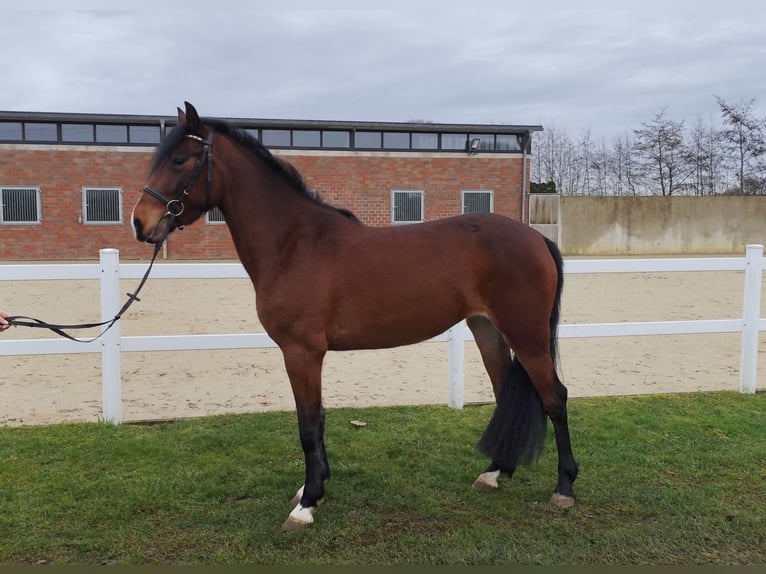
column 324, row 281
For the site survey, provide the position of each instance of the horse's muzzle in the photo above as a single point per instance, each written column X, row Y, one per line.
column 158, row 233
column 138, row 230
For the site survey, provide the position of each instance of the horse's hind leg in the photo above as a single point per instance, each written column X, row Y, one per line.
column 496, row 356
column 563, row 496
column 553, row 393
column 526, row 389
column 495, row 353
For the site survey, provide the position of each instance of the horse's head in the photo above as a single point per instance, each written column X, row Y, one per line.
column 180, row 186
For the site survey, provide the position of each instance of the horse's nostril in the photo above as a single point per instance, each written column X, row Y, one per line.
column 139, row 229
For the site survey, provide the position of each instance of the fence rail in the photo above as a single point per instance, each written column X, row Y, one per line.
column 109, row 271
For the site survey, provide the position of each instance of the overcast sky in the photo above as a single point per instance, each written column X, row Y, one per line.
column 563, row 64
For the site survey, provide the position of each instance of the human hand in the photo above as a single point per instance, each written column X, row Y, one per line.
column 3, row 322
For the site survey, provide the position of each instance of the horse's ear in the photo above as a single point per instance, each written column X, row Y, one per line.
column 192, row 119
column 181, row 116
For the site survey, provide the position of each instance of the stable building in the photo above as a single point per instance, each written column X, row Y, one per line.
column 68, row 182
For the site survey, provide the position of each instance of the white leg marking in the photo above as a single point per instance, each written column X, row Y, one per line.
column 298, row 495
column 304, row 514
column 487, row 481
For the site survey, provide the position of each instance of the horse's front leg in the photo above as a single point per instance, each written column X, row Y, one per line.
column 304, row 367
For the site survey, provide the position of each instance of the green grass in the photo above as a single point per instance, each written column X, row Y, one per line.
column 675, row 479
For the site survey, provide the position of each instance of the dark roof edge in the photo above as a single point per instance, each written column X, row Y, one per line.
column 270, row 123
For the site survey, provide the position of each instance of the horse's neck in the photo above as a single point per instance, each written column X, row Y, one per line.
column 264, row 217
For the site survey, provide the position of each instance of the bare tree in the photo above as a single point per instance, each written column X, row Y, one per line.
column 585, row 162
column 745, row 134
column 703, row 156
column 557, row 160
column 661, row 157
column 623, row 166
column 602, row 170
column 584, row 167
column 659, row 145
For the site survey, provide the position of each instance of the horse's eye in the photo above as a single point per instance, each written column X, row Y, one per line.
column 179, row 159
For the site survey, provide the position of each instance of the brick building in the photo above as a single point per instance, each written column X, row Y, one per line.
column 68, row 182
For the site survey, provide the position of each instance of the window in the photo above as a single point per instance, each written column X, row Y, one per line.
column 144, row 134
column 367, row 140
column 407, row 206
column 477, row 202
column 111, row 133
column 214, row 216
column 77, row 133
column 40, row 132
column 486, row 141
column 278, row 138
column 307, row 138
column 454, row 141
column 336, row 139
column 396, row 140
column 102, row 205
column 20, row 205
column 10, row 131
column 508, row 142
column 425, row 141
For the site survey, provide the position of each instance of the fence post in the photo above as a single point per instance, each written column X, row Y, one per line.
column 110, row 342
column 456, row 349
column 751, row 318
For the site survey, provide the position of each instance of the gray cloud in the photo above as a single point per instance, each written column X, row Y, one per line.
column 573, row 67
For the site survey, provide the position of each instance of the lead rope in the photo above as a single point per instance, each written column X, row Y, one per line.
column 22, row 321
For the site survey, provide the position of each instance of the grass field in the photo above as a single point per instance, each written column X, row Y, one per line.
column 678, row 479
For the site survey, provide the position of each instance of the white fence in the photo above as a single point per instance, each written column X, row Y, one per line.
column 110, row 271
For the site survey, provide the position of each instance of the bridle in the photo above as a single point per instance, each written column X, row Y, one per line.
column 174, row 207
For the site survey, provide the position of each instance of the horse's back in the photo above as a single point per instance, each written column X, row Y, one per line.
column 483, row 246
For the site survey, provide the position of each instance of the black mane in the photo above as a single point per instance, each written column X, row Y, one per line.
column 249, row 142
column 282, row 167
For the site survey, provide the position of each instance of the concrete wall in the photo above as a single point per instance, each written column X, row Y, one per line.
column 653, row 225
column 544, row 212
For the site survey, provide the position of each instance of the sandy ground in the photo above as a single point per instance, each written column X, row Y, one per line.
column 160, row 385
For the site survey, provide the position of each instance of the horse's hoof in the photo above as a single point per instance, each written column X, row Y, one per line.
column 291, row 524
column 562, row 501
column 486, row 482
column 300, row 517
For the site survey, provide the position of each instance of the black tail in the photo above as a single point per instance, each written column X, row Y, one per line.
column 516, row 432
column 556, row 311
